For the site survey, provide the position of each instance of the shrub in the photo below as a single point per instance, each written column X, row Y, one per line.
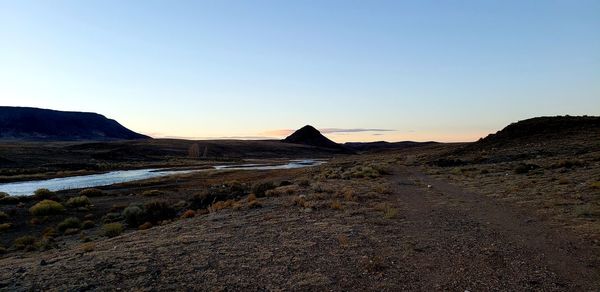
column 81, row 201
column 134, row 215
column 382, row 169
column 284, row 183
column 595, row 185
column 47, row 207
column 3, row 195
column 49, row 232
column 251, row 198
column 221, row 205
column 91, row 193
column 188, row 214
column 389, row 212
column 111, row 217
column 24, row 242
column 5, row 226
column 152, row 193
column 13, row 200
column 88, row 247
column 112, row 229
column 71, row 231
column 336, row 205
column 3, row 216
column 145, row 226
column 304, row 183
column 260, row 189
column 254, row 204
column 158, row 211
column 300, row 201
column 43, row 194
column 524, row 168
column 88, row 224
column 69, row 223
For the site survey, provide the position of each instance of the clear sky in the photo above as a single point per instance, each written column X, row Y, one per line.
column 360, row 70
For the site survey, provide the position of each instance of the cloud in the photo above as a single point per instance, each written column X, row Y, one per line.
column 287, row 132
column 352, row 130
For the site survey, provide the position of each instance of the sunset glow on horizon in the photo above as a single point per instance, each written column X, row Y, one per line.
column 444, row 71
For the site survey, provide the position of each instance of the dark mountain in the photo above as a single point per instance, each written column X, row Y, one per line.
column 383, row 145
column 25, row 123
column 543, row 128
column 535, row 138
column 308, row 135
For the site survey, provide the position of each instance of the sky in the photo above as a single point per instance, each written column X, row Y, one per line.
column 358, row 70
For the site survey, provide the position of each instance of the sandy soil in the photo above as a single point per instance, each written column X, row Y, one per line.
column 414, row 233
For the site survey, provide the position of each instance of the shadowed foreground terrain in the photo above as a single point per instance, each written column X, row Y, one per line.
column 520, row 213
column 404, row 230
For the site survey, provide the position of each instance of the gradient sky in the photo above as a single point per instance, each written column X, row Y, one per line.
column 360, row 70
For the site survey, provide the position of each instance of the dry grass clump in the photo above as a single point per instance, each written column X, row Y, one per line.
column 188, row 214
column 112, row 229
column 47, row 207
column 145, row 226
column 3, row 216
column 26, row 242
column 220, row 205
column 88, row 247
column 254, row 204
column 88, row 224
column 283, row 191
column 152, row 193
column 4, row 227
column 300, row 201
column 343, row 240
column 348, row 194
column 41, row 194
column 389, row 212
column 81, row 201
column 48, row 233
column 336, row 205
column 69, row 223
column 251, row 198
column 383, row 189
column 91, row 193
column 260, row 189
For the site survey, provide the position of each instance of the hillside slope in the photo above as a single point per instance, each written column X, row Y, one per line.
column 536, row 138
column 25, row 123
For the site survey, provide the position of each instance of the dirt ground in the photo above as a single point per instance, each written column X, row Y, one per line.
column 406, row 230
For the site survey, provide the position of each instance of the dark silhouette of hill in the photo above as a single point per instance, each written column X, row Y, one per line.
column 308, row 135
column 25, row 123
column 545, row 128
column 532, row 138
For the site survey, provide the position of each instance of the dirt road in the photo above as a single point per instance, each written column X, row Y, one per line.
column 437, row 237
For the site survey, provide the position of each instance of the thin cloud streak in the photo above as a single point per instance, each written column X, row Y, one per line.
column 286, row 132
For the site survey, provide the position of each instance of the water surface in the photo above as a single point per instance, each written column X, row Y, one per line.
column 26, row 188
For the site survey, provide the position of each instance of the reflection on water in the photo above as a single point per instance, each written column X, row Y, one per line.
column 26, row 188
